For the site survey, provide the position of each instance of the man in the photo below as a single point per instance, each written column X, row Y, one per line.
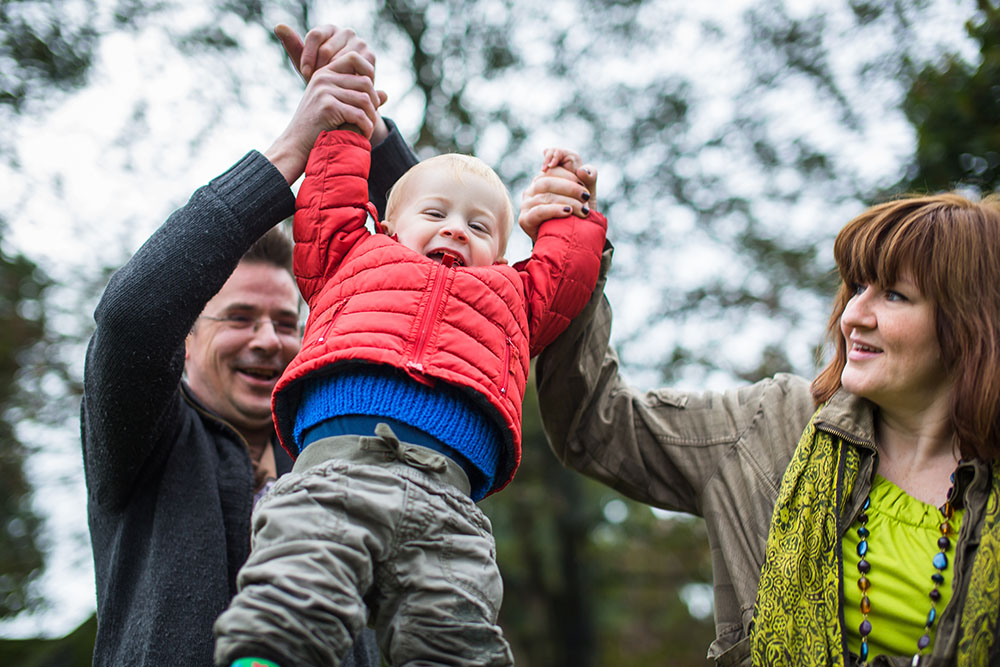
column 172, row 466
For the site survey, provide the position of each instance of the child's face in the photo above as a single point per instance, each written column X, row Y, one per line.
column 447, row 213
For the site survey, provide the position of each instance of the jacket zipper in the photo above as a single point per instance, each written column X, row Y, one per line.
column 429, row 316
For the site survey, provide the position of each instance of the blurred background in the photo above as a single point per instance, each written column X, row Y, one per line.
column 733, row 140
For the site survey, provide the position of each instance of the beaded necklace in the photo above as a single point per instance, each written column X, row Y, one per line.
column 940, row 563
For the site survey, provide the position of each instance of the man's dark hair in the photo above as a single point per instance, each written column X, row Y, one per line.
column 274, row 247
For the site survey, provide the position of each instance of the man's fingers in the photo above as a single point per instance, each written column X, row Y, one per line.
column 315, row 38
column 292, row 43
column 352, row 62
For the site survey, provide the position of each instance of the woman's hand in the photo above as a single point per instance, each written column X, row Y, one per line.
column 564, row 186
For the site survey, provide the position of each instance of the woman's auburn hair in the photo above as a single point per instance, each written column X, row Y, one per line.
column 950, row 246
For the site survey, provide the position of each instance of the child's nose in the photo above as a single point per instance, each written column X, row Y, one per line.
column 454, row 231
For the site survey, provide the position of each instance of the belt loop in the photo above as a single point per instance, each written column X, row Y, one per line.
column 419, row 458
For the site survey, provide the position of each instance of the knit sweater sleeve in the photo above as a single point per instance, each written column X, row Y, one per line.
column 390, row 160
column 560, row 275
column 331, row 208
column 135, row 358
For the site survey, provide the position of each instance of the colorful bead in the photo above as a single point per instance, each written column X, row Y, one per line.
column 940, row 562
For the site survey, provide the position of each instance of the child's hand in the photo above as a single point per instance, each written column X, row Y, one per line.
column 564, row 186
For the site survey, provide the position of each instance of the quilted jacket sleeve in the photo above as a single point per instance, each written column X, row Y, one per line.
column 331, row 208
column 560, row 275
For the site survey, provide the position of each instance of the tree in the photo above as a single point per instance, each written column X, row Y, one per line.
column 38, row 55
column 22, row 326
column 954, row 106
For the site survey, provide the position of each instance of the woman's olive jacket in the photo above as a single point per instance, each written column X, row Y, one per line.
column 720, row 456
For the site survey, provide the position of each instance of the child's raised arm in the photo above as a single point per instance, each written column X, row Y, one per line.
column 563, row 186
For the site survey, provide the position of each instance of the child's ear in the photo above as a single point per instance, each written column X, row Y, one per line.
column 500, row 260
column 385, row 227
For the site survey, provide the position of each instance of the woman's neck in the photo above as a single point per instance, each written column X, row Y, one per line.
column 916, row 452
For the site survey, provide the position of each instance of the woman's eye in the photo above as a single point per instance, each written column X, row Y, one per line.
column 893, row 295
column 858, row 288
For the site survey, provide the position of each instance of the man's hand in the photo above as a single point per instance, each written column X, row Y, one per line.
column 564, row 186
column 321, row 47
column 341, row 93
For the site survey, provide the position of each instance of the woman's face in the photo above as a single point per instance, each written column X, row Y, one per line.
column 893, row 354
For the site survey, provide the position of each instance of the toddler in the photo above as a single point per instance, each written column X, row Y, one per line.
column 402, row 409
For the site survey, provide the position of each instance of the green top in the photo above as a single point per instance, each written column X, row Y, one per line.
column 902, row 540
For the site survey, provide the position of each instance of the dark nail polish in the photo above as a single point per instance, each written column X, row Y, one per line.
column 585, row 196
column 567, row 209
column 586, row 211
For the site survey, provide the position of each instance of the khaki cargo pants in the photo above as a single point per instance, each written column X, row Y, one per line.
column 366, row 528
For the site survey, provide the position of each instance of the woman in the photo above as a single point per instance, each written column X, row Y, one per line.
column 853, row 518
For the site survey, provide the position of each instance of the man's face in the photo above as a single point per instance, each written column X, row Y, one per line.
column 448, row 214
column 241, row 343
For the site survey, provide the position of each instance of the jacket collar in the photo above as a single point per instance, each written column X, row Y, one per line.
column 853, row 419
column 850, row 417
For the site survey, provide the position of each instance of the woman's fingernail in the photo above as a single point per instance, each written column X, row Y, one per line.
column 585, row 196
column 567, row 209
column 586, row 211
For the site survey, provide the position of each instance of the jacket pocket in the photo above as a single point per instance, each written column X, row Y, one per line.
column 737, row 655
column 317, row 334
column 509, row 354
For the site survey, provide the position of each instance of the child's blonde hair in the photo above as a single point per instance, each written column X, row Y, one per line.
column 461, row 164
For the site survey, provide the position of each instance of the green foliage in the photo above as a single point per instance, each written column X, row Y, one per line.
column 45, row 50
column 955, row 106
column 21, row 328
column 74, row 650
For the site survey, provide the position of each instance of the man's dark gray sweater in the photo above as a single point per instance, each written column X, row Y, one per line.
column 169, row 483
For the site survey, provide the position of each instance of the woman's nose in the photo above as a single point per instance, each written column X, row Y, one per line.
column 859, row 312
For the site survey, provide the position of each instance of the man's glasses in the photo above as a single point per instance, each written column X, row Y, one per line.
column 282, row 327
